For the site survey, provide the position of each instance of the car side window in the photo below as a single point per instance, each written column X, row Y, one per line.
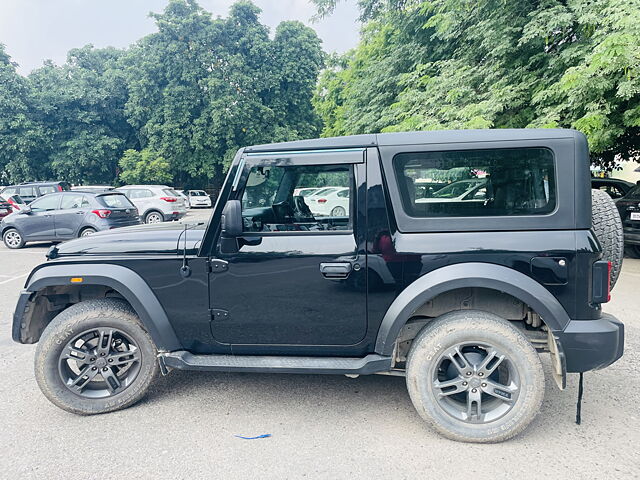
column 71, row 201
column 8, row 192
column 45, row 204
column 27, row 192
column 144, row 193
column 45, row 190
column 271, row 200
column 472, row 183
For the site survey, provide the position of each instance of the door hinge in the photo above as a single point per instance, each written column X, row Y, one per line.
column 215, row 265
column 218, row 314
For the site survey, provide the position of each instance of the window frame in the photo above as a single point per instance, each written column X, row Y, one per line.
column 568, row 176
column 46, row 197
column 350, row 157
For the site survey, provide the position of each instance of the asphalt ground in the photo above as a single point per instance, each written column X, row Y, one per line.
column 320, row 426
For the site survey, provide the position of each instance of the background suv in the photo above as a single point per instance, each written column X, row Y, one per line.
column 156, row 203
column 32, row 190
column 66, row 215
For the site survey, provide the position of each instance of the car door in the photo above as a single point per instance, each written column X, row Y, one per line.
column 39, row 223
column 294, row 279
column 70, row 216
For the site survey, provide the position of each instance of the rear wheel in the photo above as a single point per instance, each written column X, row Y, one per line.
column 95, row 357
column 338, row 212
column 474, row 377
column 154, row 217
column 87, row 231
column 607, row 226
column 13, row 239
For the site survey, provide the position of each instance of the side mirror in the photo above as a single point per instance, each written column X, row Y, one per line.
column 25, row 210
column 231, row 222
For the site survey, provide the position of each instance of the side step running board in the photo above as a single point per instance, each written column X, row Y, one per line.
column 183, row 360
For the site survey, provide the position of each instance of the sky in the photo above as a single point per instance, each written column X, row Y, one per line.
column 35, row 30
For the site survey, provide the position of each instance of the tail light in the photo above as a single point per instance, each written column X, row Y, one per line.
column 601, row 282
column 102, row 213
column 169, row 199
column 322, row 200
column 59, row 188
column 14, row 205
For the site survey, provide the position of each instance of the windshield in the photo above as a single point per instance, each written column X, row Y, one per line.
column 115, row 200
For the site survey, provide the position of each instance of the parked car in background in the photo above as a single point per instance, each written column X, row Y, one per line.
column 93, row 188
column 184, row 197
column 155, row 203
column 31, row 190
column 5, row 207
column 305, row 192
column 334, row 203
column 66, row 215
column 615, row 187
column 629, row 208
column 199, row 198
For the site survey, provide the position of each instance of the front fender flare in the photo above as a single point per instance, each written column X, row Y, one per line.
column 121, row 279
column 475, row 274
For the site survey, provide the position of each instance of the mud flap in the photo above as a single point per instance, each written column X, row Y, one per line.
column 559, row 366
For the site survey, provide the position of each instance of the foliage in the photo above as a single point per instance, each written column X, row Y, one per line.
column 434, row 64
column 193, row 93
column 145, row 167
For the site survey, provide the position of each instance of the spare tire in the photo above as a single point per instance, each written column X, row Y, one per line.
column 608, row 228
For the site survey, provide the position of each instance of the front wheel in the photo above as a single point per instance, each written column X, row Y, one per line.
column 95, row 357
column 474, row 377
column 13, row 239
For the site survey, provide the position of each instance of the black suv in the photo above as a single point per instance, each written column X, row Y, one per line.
column 460, row 291
column 29, row 191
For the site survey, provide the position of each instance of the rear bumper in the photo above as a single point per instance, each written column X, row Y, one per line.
column 591, row 344
column 632, row 236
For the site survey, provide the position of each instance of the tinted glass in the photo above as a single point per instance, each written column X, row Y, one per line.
column 634, row 193
column 468, row 183
column 44, row 190
column 72, row 201
column 115, row 201
column 270, row 205
column 27, row 192
column 47, row 203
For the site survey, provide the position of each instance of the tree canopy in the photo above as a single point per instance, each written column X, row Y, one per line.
column 190, row 94
column 434, row 64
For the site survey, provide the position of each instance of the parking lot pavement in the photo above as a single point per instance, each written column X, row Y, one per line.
column 321, row 426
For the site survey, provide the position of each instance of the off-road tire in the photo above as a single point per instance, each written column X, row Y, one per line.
column 608, row 228
column 449, row 330
column 113, row 313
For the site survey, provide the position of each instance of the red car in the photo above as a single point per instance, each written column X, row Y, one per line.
column 10, row 205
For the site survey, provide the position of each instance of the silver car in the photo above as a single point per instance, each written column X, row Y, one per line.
column 156, row 203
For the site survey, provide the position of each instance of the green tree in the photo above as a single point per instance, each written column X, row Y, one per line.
column 463, row 64
column 144, row 167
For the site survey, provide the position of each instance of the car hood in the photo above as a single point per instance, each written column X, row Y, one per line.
column 156, row 239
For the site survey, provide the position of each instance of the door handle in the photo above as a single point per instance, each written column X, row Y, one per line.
column 335, row 269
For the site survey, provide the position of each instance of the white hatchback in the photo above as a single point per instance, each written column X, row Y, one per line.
column 156, row 203
column 199, row 198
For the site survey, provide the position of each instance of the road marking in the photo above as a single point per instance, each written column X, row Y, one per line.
column 14, row 278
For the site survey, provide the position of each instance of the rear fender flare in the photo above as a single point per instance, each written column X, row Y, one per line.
column 475, row 274
column 121, row 279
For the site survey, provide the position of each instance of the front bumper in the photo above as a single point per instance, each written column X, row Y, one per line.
column 632, row 236
column 591, row 344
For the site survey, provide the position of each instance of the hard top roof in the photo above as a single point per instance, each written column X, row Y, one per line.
column 419, row 138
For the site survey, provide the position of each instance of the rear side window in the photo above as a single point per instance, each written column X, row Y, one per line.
column 73, row 201
column 27, row 192
column 115, row 201
column 469, row 183
column 47, row 189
